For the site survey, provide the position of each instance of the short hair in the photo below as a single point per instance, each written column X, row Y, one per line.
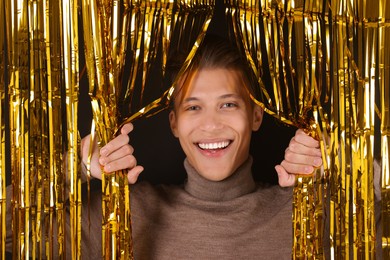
column 214, row 52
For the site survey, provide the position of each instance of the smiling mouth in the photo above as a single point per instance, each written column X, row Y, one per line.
column 214, row 146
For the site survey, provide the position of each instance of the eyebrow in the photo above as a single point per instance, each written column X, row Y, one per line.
column 230, row 96
column 189, row 99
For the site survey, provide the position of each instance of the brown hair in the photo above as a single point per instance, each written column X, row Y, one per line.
column 214, row 52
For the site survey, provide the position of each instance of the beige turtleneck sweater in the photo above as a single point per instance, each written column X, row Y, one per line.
column 231, row 219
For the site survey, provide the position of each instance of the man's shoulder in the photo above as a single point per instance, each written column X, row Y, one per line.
column 145, row 190
column 274, row 189
column 274, row 195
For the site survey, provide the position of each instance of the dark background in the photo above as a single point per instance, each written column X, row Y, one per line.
column 159, row 152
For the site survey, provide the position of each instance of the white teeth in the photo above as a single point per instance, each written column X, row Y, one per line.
column 210, row 146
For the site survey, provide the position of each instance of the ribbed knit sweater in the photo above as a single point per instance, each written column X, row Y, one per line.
column 231, row 219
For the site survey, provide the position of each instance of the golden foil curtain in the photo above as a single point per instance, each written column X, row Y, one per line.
column 70, row 69
column 140, row 31
column 324, row 66
column 42, row 86
column 105, row 35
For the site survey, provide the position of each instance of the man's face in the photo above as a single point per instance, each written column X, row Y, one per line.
column 214, row 122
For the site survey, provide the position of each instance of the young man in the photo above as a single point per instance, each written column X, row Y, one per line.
column 219, row 212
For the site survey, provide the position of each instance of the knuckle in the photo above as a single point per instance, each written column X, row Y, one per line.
column 128, row 149
column 132, row 161
column 299, row 138
column 285, row 165
column 108, row 146
column 123, row 139
column 108, row 168
column 293, row 146
column 288, row 155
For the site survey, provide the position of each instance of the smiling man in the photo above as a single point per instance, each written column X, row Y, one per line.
column 220, row 212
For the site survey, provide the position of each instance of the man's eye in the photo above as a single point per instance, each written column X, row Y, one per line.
column 229, row 105
column 192, row 108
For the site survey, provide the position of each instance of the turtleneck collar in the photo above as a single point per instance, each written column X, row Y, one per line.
column 238, row 184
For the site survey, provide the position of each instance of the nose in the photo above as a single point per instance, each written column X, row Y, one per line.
column 210, row 121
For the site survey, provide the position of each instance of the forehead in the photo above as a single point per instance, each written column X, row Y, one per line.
column 211, row 82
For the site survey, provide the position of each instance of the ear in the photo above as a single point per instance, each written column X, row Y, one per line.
column 173, row 123
column 257, row 117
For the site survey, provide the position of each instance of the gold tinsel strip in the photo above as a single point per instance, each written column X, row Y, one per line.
column 384, row 90
column 384, row 75
column 18, row 60
column 3, row 155
column 342, row 106
column 385, row 189
column 55, row 199
column 363, row 146
column 36, row 175
column 70, row 43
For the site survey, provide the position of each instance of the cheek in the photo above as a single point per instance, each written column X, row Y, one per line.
column 242, row 123
column 183, row 128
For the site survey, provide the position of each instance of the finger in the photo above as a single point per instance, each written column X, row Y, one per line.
column 128, row 161
column 117, row 154
column 284, row 178
column 302, row 158
column 303, row 138
column 127, row 128
column 300, row 148
column 294, row 168
column 132, row 175
column 114, row 144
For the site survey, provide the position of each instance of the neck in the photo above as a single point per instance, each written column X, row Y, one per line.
column 238, row 184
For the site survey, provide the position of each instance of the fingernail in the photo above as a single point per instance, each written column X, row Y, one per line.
column 102, row 161
column 317, row 162
column 309, row 169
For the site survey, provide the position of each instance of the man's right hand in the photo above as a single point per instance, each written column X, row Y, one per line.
column 115, row 155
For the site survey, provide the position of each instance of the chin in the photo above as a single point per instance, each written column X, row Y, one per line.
column 210, row 174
